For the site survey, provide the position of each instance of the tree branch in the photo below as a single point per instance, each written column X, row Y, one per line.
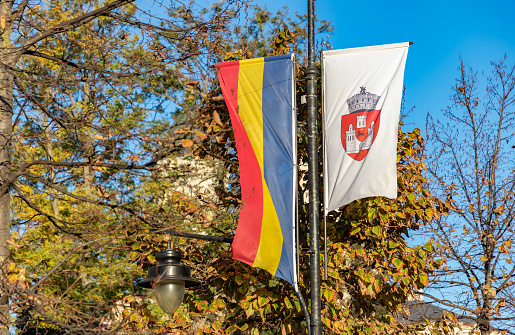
column 52, row 58
column 449, row 304
column 19, row 10
column 73, row 23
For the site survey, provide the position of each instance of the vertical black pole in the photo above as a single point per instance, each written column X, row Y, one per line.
column 314, row 201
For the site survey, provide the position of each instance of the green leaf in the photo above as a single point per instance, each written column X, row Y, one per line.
column 263, row 300
column 424, row 279
column 372, row 212
column 377, row 231
column 378, row 285
column 203, row 305
column 220, row 304
column 368, row 278
column 406, row 280
column 297, row 305
column 398, row 263
column 354, row 231
column 422, row 253
column 328, row 295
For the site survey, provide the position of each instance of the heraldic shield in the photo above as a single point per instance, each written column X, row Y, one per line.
column 360, row 126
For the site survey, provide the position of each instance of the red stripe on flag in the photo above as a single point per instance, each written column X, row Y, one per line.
column 248, row 231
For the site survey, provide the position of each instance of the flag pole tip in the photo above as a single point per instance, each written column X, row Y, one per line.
column 410, row 43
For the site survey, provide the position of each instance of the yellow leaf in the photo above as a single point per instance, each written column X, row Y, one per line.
column 187, row 143
column 99, row 168
column 99, row 137
column 12, row 278
column 192, row 84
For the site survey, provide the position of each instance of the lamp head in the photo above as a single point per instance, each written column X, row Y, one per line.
column 169, row 279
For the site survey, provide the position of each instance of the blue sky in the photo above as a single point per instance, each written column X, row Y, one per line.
column 480, row 31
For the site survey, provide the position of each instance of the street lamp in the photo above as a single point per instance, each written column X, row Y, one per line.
column 169, row 279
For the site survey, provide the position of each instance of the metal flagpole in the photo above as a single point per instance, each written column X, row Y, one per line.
column 314, row 198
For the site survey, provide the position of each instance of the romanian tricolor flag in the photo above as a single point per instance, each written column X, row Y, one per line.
column 259, row 94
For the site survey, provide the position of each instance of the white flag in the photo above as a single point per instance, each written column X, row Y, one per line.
column 362, row 92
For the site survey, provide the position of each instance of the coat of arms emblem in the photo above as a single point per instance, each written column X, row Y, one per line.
column 360, row 126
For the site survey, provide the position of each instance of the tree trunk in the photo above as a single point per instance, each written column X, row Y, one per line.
column 8, row 59
column 6, row 113
column 483, row 324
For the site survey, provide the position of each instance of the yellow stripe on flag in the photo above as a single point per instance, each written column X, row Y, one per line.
column 271, row 242
column 250, row 88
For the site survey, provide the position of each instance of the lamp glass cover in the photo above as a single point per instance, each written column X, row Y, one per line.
column 169, row 295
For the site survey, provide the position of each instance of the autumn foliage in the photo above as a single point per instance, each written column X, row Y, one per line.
column 103, row 163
